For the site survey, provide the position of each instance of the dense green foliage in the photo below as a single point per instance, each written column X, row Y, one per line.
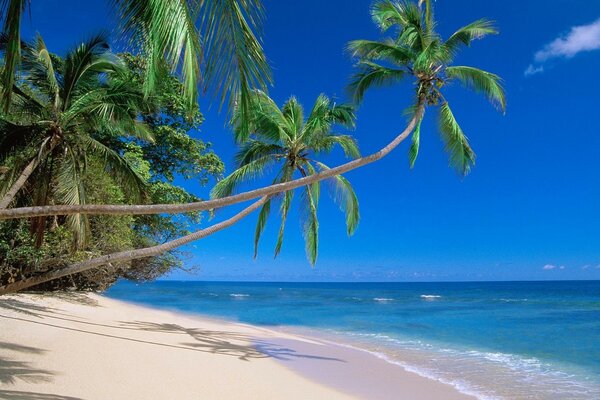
column 284, row 137
column 116, row 147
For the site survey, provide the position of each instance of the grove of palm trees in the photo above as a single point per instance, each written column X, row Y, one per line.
column 94, row 143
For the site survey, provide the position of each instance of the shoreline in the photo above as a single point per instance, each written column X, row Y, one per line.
column 89, row 346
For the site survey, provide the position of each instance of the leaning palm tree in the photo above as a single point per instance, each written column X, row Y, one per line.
column 58, row 107
column 417, row 51
column 179, row 35
column 283, row 137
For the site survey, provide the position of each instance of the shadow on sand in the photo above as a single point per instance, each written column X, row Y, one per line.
column 12, row 369
column 233, row 344
column 19, row 395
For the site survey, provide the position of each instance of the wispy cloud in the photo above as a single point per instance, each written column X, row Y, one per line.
column 550, row 267
column 579, row 39
column 532, row 70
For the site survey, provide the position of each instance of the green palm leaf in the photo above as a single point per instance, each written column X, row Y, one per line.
column 310, row 229
column 70, row 191
column 347, row 199
column 466, row 34
column 481, row 81
column 10, row 13
column 263, row 216
column 285, row 208
column 461, row 155
column 235, row 60
column 413, row 152
column 255, row 149
column 371, row 75
column 166, row 30
column 346, row 142
column 253, row 169
column 387, row 50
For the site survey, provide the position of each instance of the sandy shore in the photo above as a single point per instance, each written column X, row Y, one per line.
column 89, row 347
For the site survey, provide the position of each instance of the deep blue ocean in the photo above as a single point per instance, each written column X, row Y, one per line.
column 497, row 340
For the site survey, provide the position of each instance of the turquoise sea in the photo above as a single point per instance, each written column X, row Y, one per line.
column 496, row 340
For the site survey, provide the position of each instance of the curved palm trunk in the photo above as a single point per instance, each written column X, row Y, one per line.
column 25, row 174
column 130, row 254
column 18, row 184
column 27, row 212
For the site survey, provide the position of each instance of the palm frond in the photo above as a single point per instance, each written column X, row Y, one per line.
column 11, row 12
column 255, row 149
column 387, row 50
column 413, row 152
column 263, row 216
column 323, row 115
column 310, row 229
column 461, row 155
column 372, row 75
column 89, row 58
column 294, row 114
column 484, row 82
column 166, row 30
column 346, row 198
column 265, row 119
column 402, row 14
column 328, row 142
column 465, row 35
column 235, row 60
column 253, row 169
column 38, row 72
column 70, row 191
column 285, row 208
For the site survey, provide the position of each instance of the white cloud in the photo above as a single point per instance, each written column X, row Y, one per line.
column 549, row 267
column 532, row 70
column 579, row 39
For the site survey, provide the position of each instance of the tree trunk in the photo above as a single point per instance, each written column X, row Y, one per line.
column 129, row 255
column 26, row 173
column 27, row 212
column 18, row 184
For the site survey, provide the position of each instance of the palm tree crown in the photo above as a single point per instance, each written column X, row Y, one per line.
column 416, row 50
column 285, row 138
column 59, row 106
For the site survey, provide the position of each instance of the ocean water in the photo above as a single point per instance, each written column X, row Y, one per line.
column 495, row 340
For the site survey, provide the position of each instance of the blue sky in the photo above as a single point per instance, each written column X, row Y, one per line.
column 528, row 210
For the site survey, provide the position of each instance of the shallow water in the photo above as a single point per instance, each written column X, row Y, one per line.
column 517, row 340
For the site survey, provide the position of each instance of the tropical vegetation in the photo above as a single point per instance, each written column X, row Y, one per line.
column 133, row 132
column 416, row 51
column 80, row 130
column 283, row 137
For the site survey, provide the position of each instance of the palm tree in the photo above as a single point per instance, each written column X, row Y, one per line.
column 175, row 34
column 416, row 50
column 47, row 134
column 283, row 137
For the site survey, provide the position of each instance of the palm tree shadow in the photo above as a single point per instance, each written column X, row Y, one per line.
column 27, row 308
column 235, row 344
column 19, row 395
column 12, row 370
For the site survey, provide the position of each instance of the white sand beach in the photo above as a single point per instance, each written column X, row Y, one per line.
column 88, row 347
